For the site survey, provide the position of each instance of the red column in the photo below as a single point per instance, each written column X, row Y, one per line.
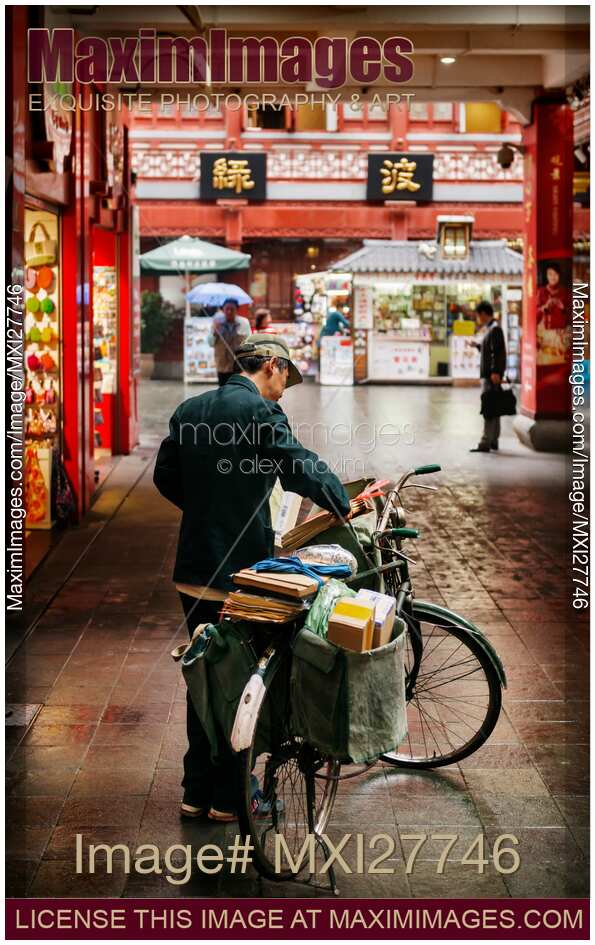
column 233, row 129
column 234, row 210
column 398, row 117
column 546, row 353
column 76, row 318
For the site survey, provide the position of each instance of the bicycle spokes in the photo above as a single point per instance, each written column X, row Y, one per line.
column 450, row 690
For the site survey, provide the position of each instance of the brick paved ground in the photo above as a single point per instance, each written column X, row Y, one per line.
column 102, row 757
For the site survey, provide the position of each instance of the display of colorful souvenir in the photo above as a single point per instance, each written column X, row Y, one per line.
column 45, row 277
column 32, row 304
column 48, row 421
column 36, row 493
column 47, row 362
column 33, row 362
column 49, row 394
column 30, row 397
column 47, row 334
column 34, row 425
column 47, row 305
column 31, row 280
column 35, row 334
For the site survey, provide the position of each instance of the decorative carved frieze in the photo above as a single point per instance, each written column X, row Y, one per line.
column 298, row 164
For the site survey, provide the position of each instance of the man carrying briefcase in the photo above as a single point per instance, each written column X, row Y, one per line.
column 492, row 366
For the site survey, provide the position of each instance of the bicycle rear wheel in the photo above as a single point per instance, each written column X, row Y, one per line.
column 454, row 693
column 297, row 785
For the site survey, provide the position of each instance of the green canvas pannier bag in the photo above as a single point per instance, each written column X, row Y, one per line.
column 349, row 705
column 216, row 665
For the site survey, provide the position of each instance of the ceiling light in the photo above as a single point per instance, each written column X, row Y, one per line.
column 447, row 60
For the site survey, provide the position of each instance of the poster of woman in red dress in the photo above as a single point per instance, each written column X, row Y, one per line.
column 553, row 314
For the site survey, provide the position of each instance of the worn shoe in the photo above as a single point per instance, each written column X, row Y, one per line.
column 480, row 449
column 222, row 816
column 190, row 810
column 494, row 446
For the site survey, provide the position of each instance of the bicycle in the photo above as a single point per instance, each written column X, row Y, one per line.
column 454, row 681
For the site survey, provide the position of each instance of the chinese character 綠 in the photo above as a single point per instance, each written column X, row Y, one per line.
column 398, row 175
column 232, row 174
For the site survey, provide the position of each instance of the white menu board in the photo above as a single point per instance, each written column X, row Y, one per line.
column 464, row 359
column 392, row 359
column 363, row 308
column 199, row 358
column 336, row 360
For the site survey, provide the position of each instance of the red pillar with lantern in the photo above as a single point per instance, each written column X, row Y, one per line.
column 543, row 422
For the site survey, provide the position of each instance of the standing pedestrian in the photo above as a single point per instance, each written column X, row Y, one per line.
column 228, row 331
column 492, row 366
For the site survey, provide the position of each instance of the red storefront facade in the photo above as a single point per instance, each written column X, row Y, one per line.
column 70, row 211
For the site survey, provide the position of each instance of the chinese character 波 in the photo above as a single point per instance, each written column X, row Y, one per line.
column 232, row 174
column 398, row 175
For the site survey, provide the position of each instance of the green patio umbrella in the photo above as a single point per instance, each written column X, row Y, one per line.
column 188, row 255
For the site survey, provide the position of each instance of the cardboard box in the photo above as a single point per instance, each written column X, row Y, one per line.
column 352, row 607
column 351, row 633
column 384, row 615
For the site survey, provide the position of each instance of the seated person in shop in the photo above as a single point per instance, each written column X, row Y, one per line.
column 228, row 331
column 263, row 320
column 219, row 464
column 335, row 324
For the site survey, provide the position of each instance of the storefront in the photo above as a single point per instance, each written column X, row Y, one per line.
column 315, row 294
column 413, row 308
column 74, row 229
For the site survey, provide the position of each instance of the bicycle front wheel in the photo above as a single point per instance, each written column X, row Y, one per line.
column 295, row 785
column 453, row 689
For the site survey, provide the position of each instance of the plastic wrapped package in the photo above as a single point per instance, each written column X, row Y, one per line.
column 327, row 554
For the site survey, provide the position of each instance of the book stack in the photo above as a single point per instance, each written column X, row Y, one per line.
column 284, row 584
column 304, row 533
column 240, row 605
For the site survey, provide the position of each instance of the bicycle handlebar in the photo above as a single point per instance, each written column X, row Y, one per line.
column 402, row 533
column 424, row 470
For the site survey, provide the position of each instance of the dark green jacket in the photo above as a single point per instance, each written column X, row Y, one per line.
column 219, row 464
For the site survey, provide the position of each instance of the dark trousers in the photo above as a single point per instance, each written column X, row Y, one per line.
column 204, row 783
column 491, row 427
column 224, row 376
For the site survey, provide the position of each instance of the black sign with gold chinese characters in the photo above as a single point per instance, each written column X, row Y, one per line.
column 237, row 175
column 404, row 176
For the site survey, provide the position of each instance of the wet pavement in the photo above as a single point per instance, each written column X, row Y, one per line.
column 102, row 757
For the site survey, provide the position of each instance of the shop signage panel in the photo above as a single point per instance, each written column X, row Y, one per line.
column 336, row 361
column 199, row 357
column 237, row 175
column 400, row 176
column 390, row 359
column 363, row 308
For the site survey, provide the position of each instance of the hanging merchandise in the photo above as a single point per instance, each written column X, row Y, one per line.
column 105, row 353
column 42, row 363
column 63, row 496
column 40, row 251
column 36, row 489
